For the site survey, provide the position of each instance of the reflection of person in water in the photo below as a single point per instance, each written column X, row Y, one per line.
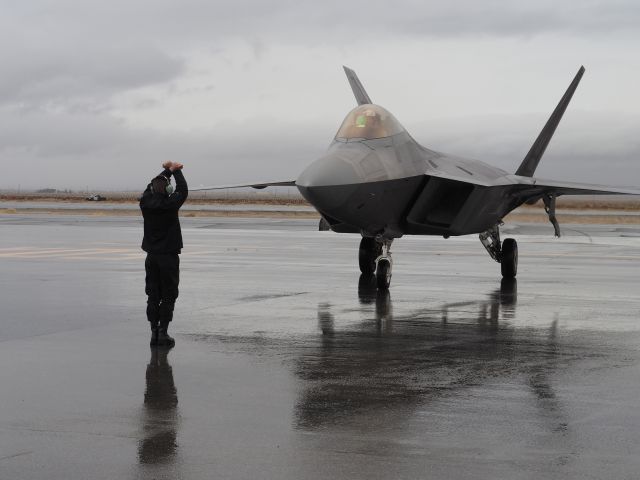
column 160, row 412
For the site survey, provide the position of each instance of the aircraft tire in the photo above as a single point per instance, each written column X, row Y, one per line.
column 383, row 274
column 323, row 226
column 369, row 251
column 509, row 262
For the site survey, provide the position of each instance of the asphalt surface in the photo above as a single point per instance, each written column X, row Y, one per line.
column 289, row 366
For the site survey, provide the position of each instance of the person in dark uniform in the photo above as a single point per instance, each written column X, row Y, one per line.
column 163, row 243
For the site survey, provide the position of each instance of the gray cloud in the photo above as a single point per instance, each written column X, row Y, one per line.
column 67, row 64
column 102, row 152
column 79, row 53
column 72, row 151
column 285, row 19
column 45, row 134
column 66, row 75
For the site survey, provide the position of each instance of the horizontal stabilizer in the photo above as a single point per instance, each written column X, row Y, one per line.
column 358, row 90
column 258, row 186
column 530, row 162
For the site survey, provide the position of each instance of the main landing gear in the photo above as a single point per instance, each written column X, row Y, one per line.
column 375, row 258
column 505, row 253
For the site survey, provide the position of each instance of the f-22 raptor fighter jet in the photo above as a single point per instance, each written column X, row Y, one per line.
column 376, row 180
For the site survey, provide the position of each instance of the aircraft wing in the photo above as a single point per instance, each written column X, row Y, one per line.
column 536, row 188
column 256, row 185
column 533, row 189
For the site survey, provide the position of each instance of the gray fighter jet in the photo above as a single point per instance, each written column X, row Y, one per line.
column 376, row 180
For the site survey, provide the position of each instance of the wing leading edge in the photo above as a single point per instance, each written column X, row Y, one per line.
column 257, row 186
column 530, row 192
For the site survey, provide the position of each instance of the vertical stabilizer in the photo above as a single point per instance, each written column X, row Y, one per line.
column 358, row 90
column 530, row 163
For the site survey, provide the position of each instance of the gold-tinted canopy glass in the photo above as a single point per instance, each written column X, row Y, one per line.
column 369, row 122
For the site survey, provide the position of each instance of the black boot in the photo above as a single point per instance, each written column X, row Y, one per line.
column 154, row 335
column 164, row 340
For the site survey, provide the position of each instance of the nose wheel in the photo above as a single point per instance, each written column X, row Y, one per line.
column 383, row 273
column 505, row 253
column 374, row 258
column 509, row 260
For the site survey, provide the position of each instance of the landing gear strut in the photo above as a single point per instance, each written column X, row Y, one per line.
column 550, row 207
column 505, row 253
column 374, row 257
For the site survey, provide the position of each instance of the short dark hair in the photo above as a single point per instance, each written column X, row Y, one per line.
column 159, row 184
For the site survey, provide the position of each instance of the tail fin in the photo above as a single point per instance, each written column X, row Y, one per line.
column 358, row 90
column 530, row 163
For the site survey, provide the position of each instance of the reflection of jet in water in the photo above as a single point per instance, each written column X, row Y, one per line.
column 396, row 363
column 503, row 299
column 159, row 419
column 545, row 395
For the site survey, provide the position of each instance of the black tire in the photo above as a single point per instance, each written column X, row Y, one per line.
column 383, row 274
column 324, row 226
column 509, row 262
column 369, row 251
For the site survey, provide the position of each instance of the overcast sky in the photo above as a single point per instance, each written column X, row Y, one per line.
column 98, row 94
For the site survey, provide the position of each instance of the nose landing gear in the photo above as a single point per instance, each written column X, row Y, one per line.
column 505, row 253
column 374, row 257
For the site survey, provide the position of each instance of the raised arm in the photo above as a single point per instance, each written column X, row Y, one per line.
column 182, row 190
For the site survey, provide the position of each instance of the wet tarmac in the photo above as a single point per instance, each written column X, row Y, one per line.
column 289, row 365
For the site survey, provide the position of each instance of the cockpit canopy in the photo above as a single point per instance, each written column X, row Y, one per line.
column 369, row 122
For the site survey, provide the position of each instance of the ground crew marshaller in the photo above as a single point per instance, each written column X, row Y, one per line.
column 163, row 243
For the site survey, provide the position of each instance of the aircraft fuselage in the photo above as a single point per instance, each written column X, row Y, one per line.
column 392, row 186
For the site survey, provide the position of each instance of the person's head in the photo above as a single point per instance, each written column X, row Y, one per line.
column 161, row 184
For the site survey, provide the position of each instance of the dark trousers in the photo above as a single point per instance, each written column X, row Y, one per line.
column 161, row 286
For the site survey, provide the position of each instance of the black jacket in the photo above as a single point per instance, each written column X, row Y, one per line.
column 160, row 211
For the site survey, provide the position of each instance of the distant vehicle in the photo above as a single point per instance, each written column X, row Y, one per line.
column 96, row 198
column 376, row 180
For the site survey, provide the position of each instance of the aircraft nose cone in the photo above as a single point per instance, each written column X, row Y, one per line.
column 328, row 182
column 332, row 169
